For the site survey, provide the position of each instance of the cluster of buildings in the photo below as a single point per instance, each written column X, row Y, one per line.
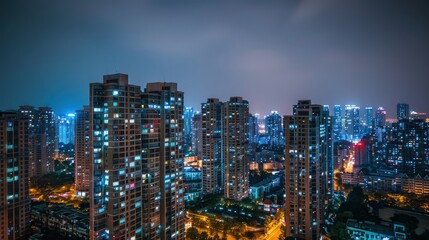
column 130, row 147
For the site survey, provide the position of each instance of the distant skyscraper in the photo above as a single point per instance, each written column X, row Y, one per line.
column 403, row 111
column 43, row 138
column 274, row 130
column 14, row 167
column 307, row 151
column 189, row 113
column 380, row 117
column 65, row 128
column 212, row 172
column 197, row 142
column 82, row 157
column 235, row 126
column 369, row 119
column 352, row 127
column 338, row 127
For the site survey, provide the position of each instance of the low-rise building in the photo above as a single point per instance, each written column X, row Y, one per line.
column 64, row 220
column 371, row 231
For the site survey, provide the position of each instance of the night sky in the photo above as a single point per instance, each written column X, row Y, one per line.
column 270, row 52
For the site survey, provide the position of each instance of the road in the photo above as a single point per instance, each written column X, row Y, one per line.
column 274, row 232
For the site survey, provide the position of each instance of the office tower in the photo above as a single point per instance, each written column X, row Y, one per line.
column 197, row 143
column 338, row 128
column 369, row 119
column 352, row 127
column 212, row 171
column 408, row 147
column 65, row 128
column 380, row 117
column 172, row 220
column 235, row 126
column 274, row 130
column 14, row 167
column 43, row 138
column 253, row 137
column 189, row 113
column 83, row 158
column 116, row 164
column 253, row 129
column 403, row 111
column 307, row 149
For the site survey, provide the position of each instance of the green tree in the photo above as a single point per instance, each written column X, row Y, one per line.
column 192, row 234
column 204, row 235
column 339, row 231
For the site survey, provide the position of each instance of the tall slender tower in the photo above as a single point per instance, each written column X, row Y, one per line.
column 172, row 219
column 308, row 142
column 212, row 171
column 14, row 166
column 82, row 157
column 116, row 166
column 235, row 128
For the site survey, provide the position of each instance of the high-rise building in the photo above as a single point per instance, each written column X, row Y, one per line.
column 408, row 147
column 189, row 113
column 197, row 142
column 172, row 209
column 274, row 130
column 338, row 127
column 43, row 138
column 82, row 157
column 235, row 127
column 380, row 117
column 65, row 128
column 352, row 127
column 308, row 143
column 14, row 168
column 369, row 119
column 116, row 164
column 403, row 111
column 212, row 171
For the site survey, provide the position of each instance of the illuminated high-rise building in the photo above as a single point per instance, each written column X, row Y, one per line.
column 380, row 117
column 43, row 138
column 189, row 113
column 116, row 165
column 369, row 119
column 308, row 146
column 65, row 128
column 338, row 127
column 82, row 157
column 212, row 171
column 274, row 130
column 14, row 167
column 235, row 127
column 403, row 111
column 408, row 147
column 196, row 134
column 352, row 127
column 172, row 209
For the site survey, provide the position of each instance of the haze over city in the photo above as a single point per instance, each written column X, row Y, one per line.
column 271, row 53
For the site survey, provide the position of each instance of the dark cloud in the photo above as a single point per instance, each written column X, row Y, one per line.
column 270, row 52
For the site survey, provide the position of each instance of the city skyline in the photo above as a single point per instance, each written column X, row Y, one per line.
column 271, row 54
